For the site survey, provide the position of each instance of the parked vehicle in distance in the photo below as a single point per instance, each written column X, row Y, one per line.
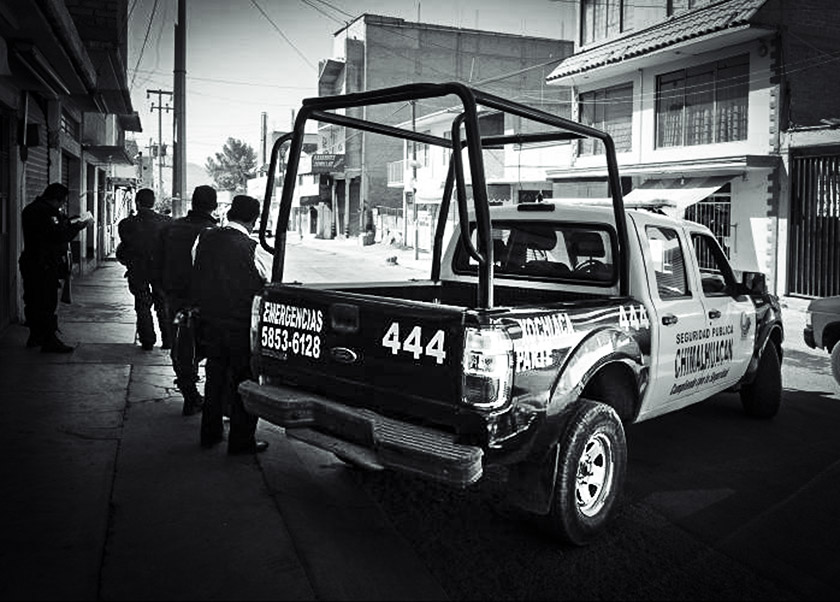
column 822, row 329
column 543, row 329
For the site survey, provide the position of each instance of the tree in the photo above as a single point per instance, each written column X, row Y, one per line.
column 233, row 166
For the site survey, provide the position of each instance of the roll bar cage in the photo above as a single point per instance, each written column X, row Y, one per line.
column 319, row 109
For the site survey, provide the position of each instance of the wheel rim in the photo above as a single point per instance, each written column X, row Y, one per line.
column 594, row 475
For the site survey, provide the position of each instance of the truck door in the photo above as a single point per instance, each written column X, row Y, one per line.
column 678, row 319
column 730, row 318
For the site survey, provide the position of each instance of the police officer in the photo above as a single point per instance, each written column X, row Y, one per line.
column 226, row 275
column 174, row 260
column 47, row 233
column 139, row 235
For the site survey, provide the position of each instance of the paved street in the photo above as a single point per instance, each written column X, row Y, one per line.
column 109, row 496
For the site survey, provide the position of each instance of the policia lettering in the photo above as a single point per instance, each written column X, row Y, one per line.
column 539, row 338
column 703, row 355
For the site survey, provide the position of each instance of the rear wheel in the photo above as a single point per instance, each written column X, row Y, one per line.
column 763, row 397
column 590, row 473
column 835, row 361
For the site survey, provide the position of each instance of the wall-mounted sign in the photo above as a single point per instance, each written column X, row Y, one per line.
column 327, row 163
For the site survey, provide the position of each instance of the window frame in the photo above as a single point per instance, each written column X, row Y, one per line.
column 724, row 268
column 600, row 99
column 462, row 266
column 688, row 289
column 728, row 104
column 603, row 19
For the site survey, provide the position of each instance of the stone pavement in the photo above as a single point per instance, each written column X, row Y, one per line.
column 108, row 495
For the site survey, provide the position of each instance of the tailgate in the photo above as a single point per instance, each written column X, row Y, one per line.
column 346, row 344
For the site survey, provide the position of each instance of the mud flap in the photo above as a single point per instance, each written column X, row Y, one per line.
column 530, row 483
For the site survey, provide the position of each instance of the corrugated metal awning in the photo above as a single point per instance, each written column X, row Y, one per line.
column 673, row 195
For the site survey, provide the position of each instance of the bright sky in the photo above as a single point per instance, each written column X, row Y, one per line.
column 246, row 57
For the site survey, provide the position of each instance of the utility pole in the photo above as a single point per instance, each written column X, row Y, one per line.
column 179, row 126
column 160, row 108
column 263, row 141
column 414, row 173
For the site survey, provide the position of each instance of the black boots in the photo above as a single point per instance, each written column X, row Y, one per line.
column 193, row 402
column 52, row 344
column 34, row 340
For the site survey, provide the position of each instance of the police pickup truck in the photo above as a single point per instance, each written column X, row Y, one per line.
column 543, row 329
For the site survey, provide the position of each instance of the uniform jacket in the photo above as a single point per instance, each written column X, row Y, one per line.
column 174, row 259
column 139, row 236
column 46, row 235
column 225, row 280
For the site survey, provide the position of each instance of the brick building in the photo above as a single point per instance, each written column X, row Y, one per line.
column 376, row 51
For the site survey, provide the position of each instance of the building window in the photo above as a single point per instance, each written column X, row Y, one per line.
column 69, row 126
column 423, row 152
column 704, row 104
column 679, row 6
column 611, row 110
column 604, row 19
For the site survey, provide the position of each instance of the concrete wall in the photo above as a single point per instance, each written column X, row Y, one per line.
column 398, row 52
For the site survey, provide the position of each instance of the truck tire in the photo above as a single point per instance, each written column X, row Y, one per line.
column 763, row 397
column 590, row 473
column 835, row 362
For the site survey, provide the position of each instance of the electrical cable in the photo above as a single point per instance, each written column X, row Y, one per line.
column 283, row 35
column 322, row 11
column 145, row 41
column 337, row 9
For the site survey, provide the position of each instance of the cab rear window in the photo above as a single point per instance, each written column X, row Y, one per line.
column 547, row 250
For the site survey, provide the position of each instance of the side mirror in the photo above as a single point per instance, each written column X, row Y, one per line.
column 754, row 283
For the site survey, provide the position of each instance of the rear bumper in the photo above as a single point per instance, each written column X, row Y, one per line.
column 364, row 437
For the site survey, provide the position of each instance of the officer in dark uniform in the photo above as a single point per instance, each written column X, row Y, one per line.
column 139, row 236
column 174, row 260
column 227, row 274
column 47, row 233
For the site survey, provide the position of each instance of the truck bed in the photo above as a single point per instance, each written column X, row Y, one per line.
column 458, row 294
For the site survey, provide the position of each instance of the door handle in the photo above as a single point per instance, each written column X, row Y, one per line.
column 714, row 314
column 669, row 319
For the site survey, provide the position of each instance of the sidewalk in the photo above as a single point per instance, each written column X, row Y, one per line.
column 109, row 496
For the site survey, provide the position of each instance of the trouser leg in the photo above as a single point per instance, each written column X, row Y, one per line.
column 164, row 317
column 143, row 302
column 40, row 299
column 216, row 387
column 243, row 425
column 183, row 357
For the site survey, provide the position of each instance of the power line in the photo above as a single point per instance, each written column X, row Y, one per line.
column 288, row 41
column 145, row 41
column 337, row 9
column 322, row 11
column 228, row 81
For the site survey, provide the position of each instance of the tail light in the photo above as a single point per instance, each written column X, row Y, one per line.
column 256, row 306
column 488, row 368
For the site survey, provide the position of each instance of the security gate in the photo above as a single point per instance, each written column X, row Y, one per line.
column 713, row 212
column 814, row 255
